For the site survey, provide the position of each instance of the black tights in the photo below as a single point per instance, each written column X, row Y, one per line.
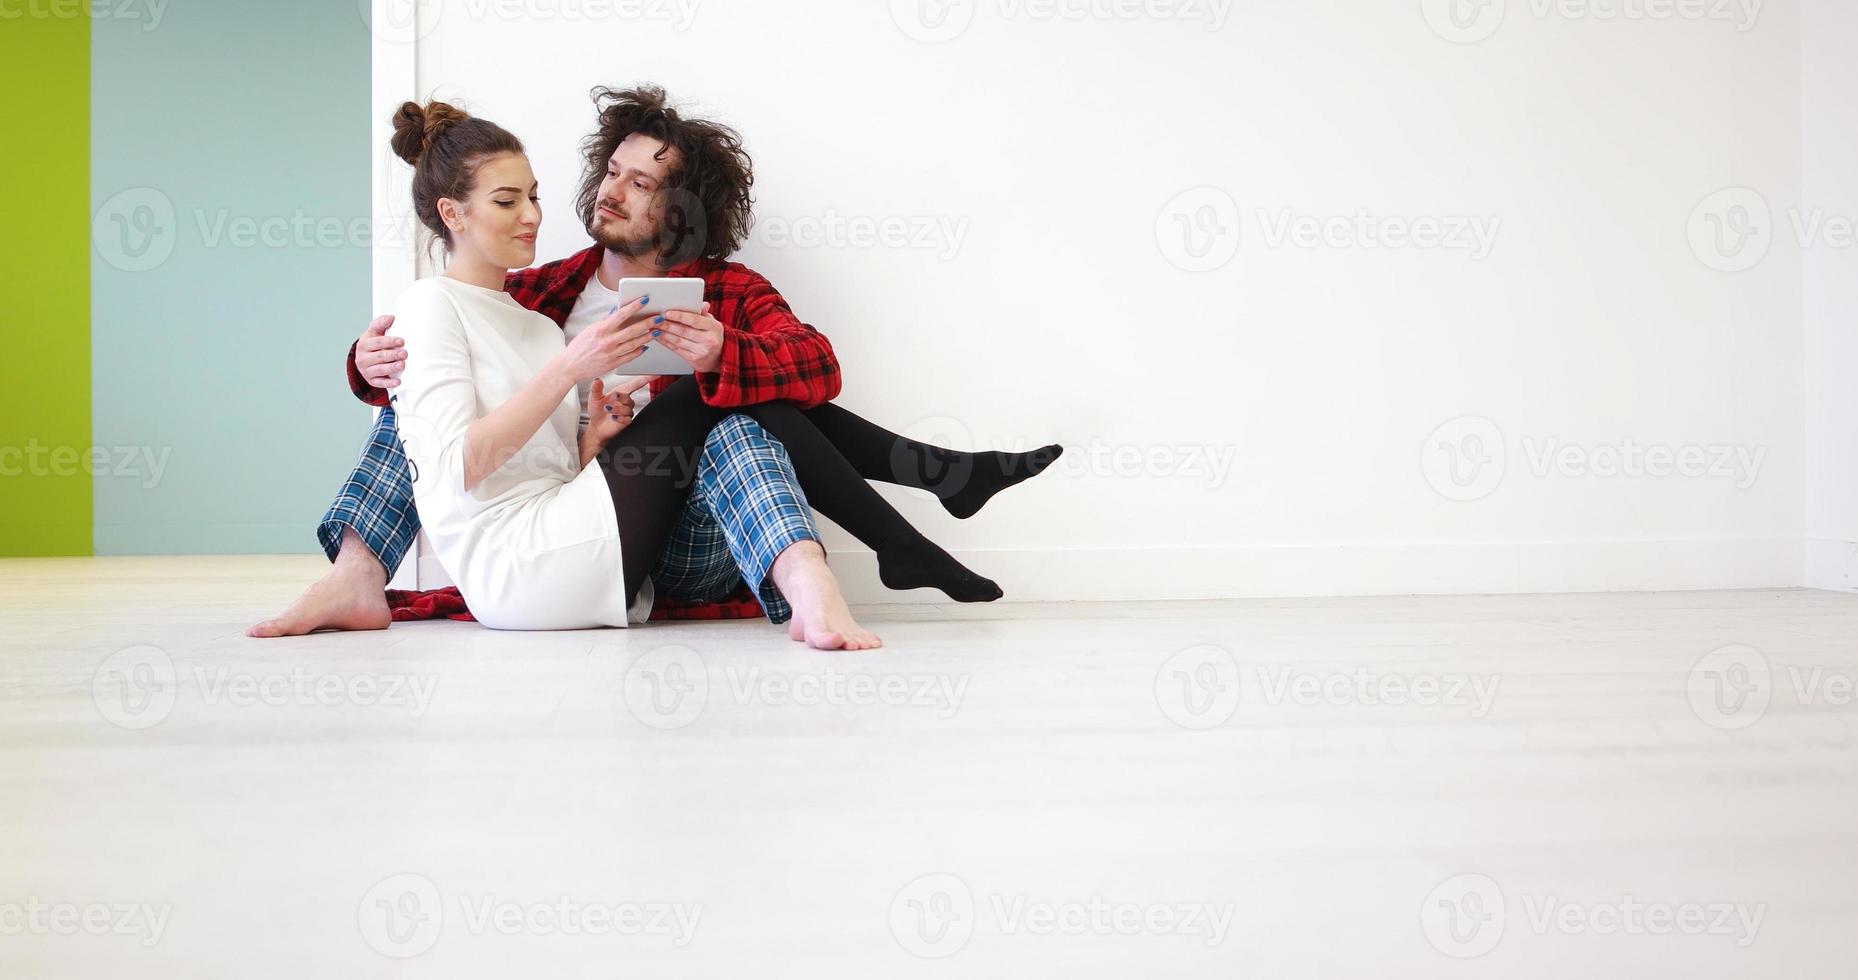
column 651, row 465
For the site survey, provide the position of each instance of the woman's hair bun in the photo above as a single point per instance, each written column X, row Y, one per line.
column 417, row 126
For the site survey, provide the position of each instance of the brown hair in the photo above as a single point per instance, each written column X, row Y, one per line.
column 445, row 146
column 708, row 200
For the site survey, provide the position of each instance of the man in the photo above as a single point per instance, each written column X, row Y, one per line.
column 662, row 196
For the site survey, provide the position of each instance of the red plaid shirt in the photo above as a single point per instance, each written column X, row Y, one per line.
column 768, row 355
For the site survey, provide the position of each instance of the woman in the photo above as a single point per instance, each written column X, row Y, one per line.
column 533, row 518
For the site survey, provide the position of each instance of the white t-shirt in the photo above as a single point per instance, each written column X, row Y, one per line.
column 597, row 303
column 535, row 545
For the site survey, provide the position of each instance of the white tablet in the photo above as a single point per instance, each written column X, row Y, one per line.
column 666, row 294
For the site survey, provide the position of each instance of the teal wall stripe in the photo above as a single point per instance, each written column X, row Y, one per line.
column 230, row 268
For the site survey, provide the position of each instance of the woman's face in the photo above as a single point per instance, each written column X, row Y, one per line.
column 499, row 220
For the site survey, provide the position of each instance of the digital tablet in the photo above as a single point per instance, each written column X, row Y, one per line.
column 666, row 294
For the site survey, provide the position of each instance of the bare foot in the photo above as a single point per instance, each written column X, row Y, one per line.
column 350, row 596
column 821, row 618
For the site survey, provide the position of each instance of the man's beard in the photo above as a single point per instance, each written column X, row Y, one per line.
column 641, row 245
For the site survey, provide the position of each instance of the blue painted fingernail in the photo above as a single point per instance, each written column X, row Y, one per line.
column 657, row 332
column 646, row 298
column 659, row 320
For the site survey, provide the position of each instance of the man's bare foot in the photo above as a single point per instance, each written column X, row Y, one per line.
column 821, row 618
column 351, row 596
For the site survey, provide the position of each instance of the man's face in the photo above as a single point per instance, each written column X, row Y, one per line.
column 629, row 210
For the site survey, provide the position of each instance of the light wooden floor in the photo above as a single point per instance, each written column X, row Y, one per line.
column 1012, row 790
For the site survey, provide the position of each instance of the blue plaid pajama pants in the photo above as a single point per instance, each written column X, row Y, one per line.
column 745, row 509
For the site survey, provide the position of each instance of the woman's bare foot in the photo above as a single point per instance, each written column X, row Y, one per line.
column 351, row 596
column 820, row 618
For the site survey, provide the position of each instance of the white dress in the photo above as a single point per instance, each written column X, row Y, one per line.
column 536, row 544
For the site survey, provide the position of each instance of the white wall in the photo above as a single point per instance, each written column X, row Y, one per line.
column 1073, row 154
column 1829, row 182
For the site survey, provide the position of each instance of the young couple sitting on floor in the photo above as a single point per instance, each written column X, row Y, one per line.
column 558, row 491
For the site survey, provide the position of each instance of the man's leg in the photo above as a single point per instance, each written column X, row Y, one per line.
column 748, row 521
column 366, row 533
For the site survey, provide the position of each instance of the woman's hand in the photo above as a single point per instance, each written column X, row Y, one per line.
column 608, row 414
column 602, row 348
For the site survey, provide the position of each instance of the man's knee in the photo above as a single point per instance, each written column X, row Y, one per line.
column 739, row 429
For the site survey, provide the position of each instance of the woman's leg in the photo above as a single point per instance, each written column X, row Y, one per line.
column 905, row 558
column 963, row 481
column 650, row 467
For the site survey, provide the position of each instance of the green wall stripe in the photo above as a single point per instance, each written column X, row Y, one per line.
column 45, row 396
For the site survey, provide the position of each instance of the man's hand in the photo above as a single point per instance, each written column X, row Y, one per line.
column 608, row 414
column 695, row 337
column 378, row 357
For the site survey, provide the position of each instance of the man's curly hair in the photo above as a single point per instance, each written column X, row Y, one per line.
column 708, row 200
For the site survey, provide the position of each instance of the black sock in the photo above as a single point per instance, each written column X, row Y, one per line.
column 963, row 481
column 974, row 481
column 923, row 564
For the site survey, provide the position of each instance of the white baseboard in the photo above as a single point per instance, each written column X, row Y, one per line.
column 1832, row 564
column 1352, row 570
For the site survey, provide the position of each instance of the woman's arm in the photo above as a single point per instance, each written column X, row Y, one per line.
column 438, row 400
column 496, row 438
